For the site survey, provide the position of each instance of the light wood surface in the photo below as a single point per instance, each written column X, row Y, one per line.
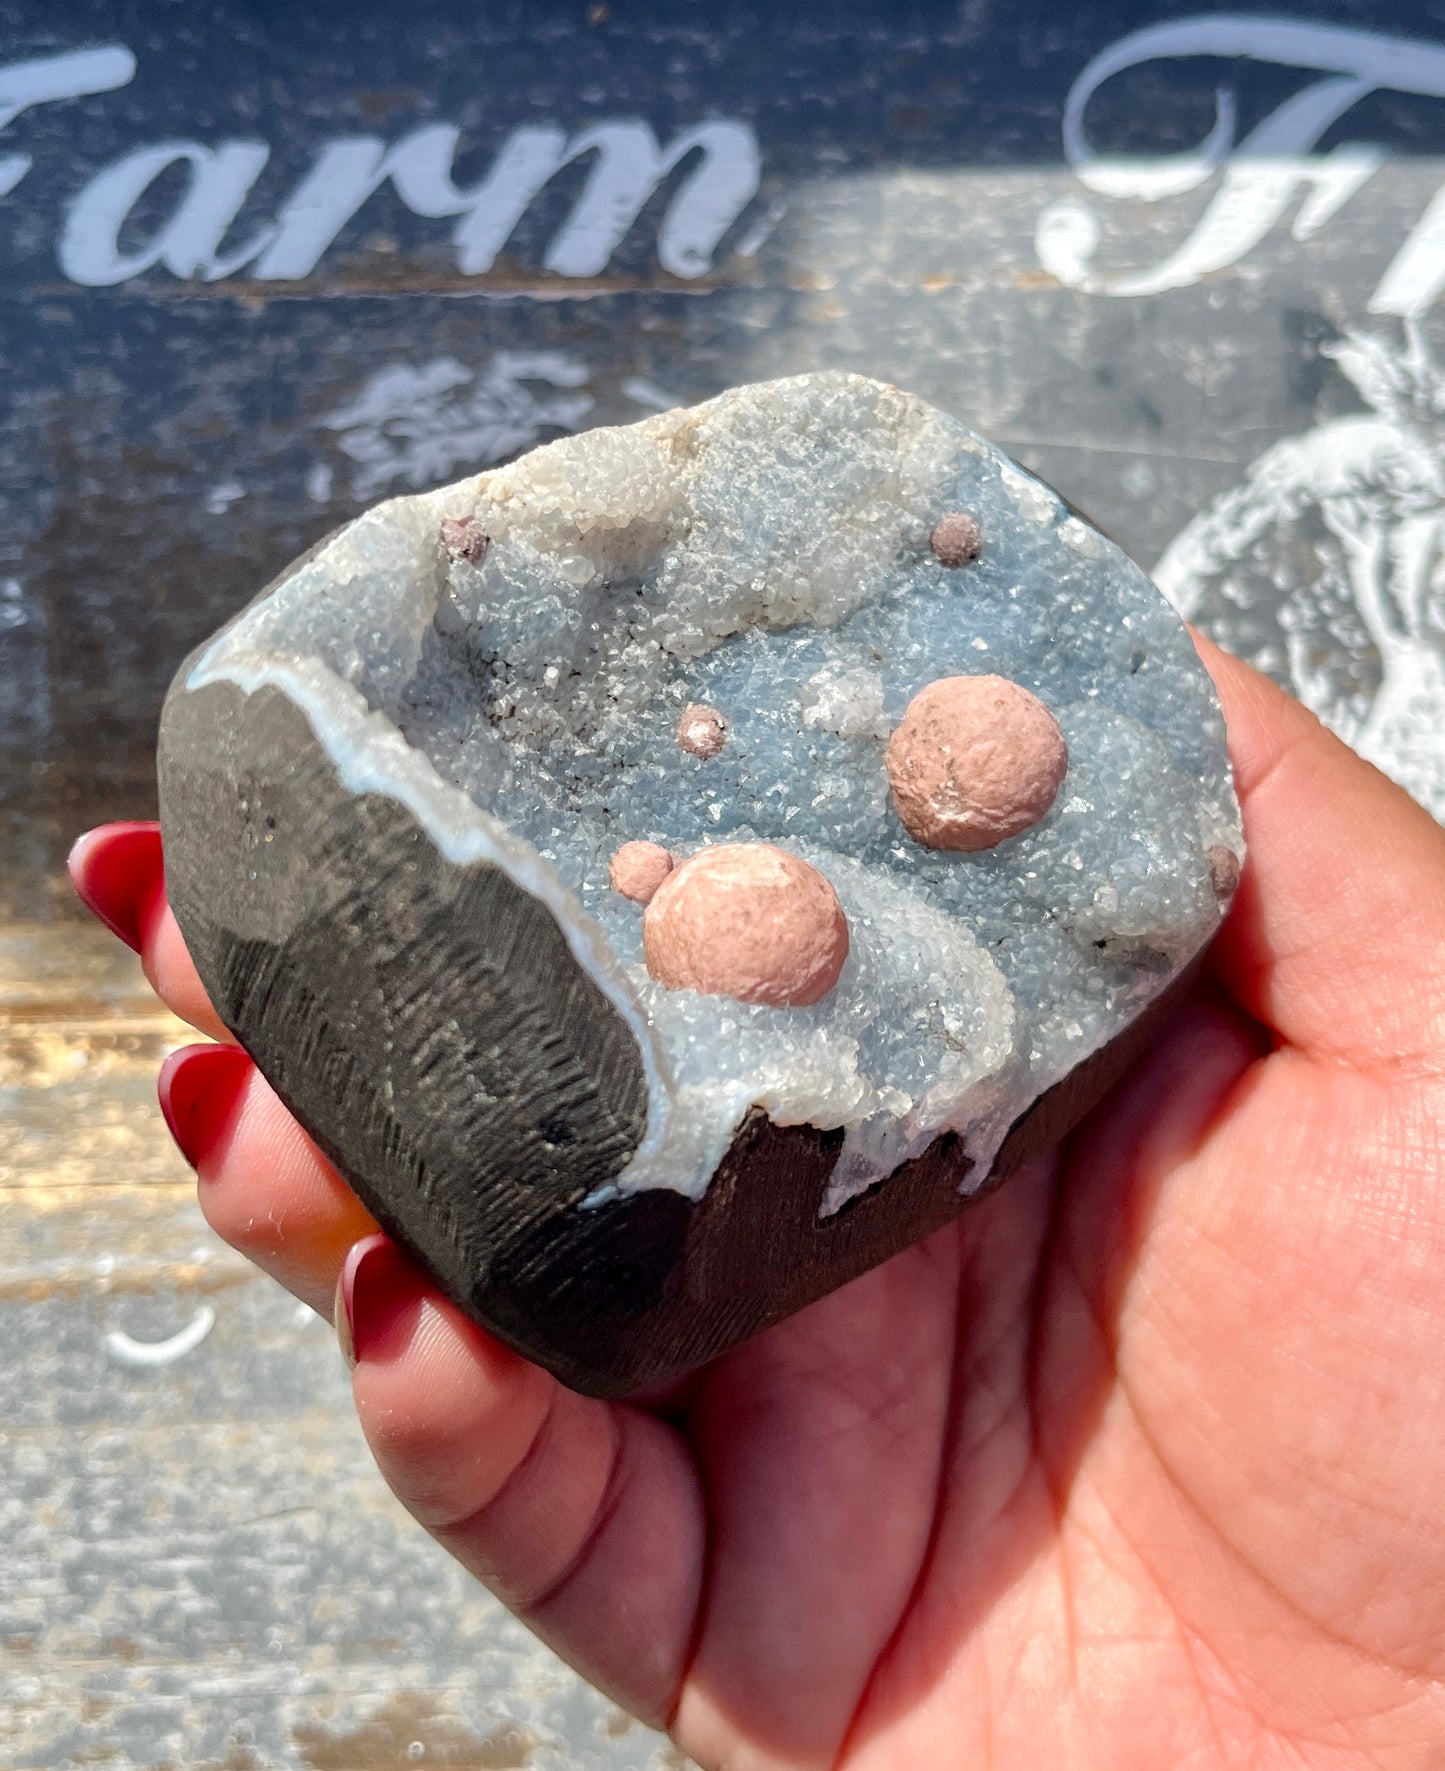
column 202, row 1568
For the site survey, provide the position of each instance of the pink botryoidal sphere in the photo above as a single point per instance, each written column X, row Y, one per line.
column 749, row 921
column 974, row 761
column 638, row 869
column 701, row 731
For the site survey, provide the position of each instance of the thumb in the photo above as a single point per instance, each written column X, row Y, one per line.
column 1337, row 938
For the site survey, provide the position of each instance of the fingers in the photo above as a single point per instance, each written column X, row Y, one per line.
column 173, row 977
column 1337, row 938
column 264, row 1186
column 585, row 1518
column 118, row 873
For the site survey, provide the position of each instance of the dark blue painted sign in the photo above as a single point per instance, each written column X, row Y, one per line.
column 265, row 265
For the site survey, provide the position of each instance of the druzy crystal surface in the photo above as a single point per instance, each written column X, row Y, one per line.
column 509, row 659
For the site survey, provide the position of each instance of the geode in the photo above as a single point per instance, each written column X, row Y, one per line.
column 671, row 873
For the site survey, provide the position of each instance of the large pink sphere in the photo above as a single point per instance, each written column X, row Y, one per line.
column 976, row 759
column 749, row 921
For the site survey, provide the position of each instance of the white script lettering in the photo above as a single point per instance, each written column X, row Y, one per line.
column 628, row 165
column 1265, row 172
column 50, row 78
column 186, row 244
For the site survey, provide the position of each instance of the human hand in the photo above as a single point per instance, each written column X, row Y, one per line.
column 1137, row 1464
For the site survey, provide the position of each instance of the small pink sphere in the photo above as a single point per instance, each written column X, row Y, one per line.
column 1224, row 871
column 638, row 869
column 956, row 539
column 749, row 921
column 465, row 539
column 976, row 759
column 701, row 731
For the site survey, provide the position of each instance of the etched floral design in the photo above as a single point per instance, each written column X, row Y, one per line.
column 418, row 424
column 1326, row 566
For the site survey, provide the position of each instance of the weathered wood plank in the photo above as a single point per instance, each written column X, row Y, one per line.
column 246, row 1596
column 203, row 1568
column 81, row 1037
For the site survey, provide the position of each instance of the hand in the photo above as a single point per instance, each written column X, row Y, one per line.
column 1139, row 1464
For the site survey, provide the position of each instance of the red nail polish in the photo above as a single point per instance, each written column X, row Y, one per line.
column 117, row 870
column 376, row 1296
column 198, row 1088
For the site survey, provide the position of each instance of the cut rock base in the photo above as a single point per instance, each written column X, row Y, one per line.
column 669, row 874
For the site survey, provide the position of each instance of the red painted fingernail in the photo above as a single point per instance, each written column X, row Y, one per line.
column 198, row 1088
column 116, row 870
column 376, row 1299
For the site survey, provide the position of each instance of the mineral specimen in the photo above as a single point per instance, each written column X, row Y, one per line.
column 672, row 872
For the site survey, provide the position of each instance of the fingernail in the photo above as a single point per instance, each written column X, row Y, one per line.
column 198, row 1088
column 376, row 1296
column 116, row 870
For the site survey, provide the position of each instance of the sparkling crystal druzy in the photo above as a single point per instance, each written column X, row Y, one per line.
column 672, row 872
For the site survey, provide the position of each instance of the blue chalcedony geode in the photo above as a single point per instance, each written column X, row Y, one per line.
column 490, row 677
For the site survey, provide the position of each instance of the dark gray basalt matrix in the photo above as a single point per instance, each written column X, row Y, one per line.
column 672, row 872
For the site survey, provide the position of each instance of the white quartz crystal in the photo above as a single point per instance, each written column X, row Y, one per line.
column 766, row 555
